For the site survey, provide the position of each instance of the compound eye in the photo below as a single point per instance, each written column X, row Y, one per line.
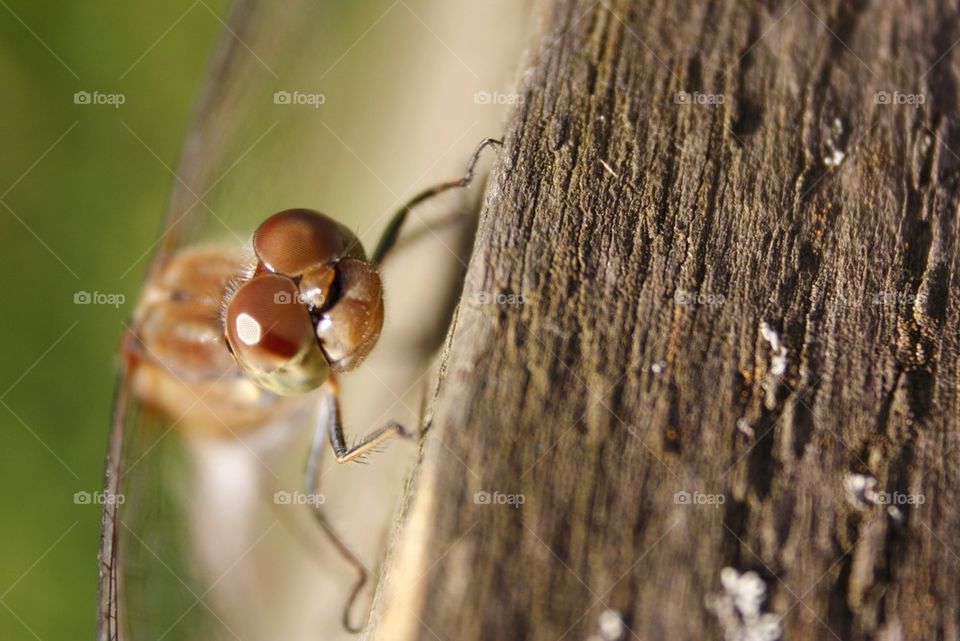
column 349, row 329
column 293, row 240
column 272, row 337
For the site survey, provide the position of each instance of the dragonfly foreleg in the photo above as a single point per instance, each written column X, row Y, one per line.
column 367, row 444
column 330, row 424
column 392, row 232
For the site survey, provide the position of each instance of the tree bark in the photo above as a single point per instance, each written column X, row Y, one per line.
column 713, row 299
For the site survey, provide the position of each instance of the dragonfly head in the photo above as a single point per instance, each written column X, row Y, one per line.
column 314, row 305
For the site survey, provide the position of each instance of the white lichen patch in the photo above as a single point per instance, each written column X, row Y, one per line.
column 778, row 363
column 610, row 627
column 925, row 143
column 659, row 367
column 832, row 154
column 861, row 490
column 834, row 157
column 743, row 425
column 739, row 608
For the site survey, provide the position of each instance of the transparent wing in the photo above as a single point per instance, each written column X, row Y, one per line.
column 147, row 584
column 160, row 574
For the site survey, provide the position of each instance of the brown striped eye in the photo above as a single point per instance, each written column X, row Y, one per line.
column 272, row 336
column 292, row 241
column 350, row 327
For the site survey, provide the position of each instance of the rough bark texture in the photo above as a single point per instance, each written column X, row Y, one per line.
column 754, row 299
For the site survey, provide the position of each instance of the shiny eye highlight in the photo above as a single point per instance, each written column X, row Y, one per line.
column 272, row 336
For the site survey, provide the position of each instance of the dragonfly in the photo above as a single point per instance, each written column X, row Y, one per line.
column 230, row 342
column 234, row 346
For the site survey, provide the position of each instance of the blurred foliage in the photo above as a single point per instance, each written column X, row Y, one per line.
column 83, row 202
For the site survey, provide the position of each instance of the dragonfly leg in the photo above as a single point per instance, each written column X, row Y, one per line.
column 330, row 424
column 311, row 485
column 392, row 232
column 370, row 442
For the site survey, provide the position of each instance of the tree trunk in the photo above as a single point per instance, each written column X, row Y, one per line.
column 710, row 321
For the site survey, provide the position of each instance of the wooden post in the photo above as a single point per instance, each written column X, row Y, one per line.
column 711, row 320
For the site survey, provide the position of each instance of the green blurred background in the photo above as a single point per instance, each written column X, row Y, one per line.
column 84, row 189
column 82, row 201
